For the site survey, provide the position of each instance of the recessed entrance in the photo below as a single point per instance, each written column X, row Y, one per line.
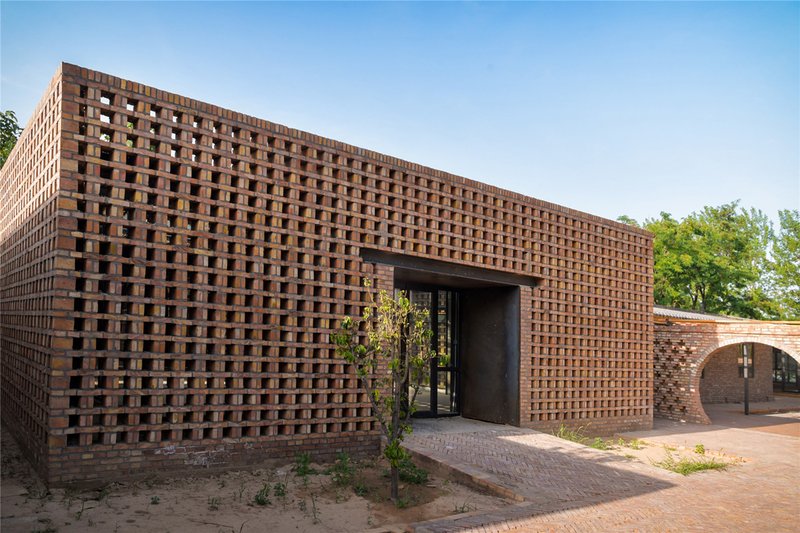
column 475, row 318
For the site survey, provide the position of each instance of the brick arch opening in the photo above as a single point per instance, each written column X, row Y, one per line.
column 714, row 350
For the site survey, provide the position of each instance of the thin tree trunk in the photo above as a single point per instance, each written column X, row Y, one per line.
column 396, row 434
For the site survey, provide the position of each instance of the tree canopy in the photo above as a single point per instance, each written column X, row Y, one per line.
column 9, row 133
column 786, row 264
column 727, row 260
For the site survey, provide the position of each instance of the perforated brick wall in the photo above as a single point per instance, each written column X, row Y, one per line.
column 206, row 256
column 682, row 348
column 28, row 243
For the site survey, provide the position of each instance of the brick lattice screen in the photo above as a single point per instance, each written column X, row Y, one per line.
column 204, row 256
column 28, row 262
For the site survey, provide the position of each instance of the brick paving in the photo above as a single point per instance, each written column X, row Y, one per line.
column 564, row 486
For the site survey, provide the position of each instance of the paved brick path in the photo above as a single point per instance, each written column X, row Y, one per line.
column 564, row 486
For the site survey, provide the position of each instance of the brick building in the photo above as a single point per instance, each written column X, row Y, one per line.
column 697, row 360
column 171, row 272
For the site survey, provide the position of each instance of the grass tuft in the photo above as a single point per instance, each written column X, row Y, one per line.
column 685, row 466
column 574, row 435
column 599, row 444
column 578, row 435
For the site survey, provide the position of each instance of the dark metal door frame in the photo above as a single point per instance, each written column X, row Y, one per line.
column 454, row 367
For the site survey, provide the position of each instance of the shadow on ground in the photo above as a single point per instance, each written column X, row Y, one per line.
column 544, row 473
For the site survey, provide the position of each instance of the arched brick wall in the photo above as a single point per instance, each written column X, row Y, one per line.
column 682, row 347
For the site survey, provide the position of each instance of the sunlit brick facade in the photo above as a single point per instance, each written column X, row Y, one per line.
column 171, row 272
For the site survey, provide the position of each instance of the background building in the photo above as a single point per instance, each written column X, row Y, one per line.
column 171, row 272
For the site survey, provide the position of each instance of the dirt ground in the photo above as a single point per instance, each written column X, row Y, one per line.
column 230, row 502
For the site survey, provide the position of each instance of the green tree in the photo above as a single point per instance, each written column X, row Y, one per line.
column 786, row 264
column 9, row 133
column 625, row 219
column 672, row 257
column 390, row 348
column 713, row 261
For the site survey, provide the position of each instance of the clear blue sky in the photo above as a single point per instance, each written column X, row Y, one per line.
column 609, row 108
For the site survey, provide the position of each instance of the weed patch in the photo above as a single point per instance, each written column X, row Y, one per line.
column 343, row 470
column 635, row 444
column 213, row 503
column 360, row 488
column 411, row 473
column 685, row 466
column 302, row 466
column 699, row 449
column 599, row 444
column 279, row 490
column 463, row 508
column 402, row 502
column 262, row 496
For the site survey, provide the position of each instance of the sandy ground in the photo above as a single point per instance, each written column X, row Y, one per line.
column 226, row 503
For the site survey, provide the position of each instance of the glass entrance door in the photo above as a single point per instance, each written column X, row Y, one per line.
column 439, row 394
